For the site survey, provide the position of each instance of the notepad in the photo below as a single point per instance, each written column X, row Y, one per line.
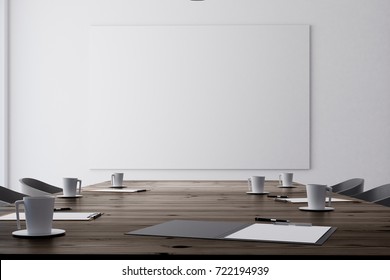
column 316, row 235
column 304, row 200
column 117, row 190
column 58, row 216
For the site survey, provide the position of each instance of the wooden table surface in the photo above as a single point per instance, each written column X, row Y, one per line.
column 363, row 229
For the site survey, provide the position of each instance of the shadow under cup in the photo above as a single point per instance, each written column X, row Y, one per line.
column 38, row 212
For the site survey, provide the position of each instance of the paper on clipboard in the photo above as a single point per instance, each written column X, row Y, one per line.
column 284, row 233
column 58, row 216
column 221, row 230
column 117, row 190
column 304, row 199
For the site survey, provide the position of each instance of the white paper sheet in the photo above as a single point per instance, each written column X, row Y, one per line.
column 57, row 216
column 280, row 233
column 117, row 190
column 304, row 200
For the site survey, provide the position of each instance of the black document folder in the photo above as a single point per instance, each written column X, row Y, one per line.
column 239, row 231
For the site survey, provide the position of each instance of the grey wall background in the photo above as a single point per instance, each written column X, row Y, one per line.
column 350, row 85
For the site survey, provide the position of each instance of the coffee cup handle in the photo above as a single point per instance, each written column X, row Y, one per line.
column 79, row 182
column 249, row 184
column 112, row 179
column 280, row 179
column 329, row 189
column 17, row 203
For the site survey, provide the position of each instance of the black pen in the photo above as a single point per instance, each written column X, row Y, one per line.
column 271, row 220
column 280, row 199
column 62, row 209
column 95, row 215
column 278, row 196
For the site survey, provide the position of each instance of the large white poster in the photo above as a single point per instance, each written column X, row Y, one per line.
column 199, row 97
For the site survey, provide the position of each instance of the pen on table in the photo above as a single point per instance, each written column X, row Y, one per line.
column 280, row 199
column 278, row 196
column 95, row 215
column 62, row 209
column 271, row 220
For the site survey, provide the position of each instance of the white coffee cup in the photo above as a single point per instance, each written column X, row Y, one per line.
column 70, row 186
column 117, row 179
column 39, row 214
column 286, row 179
column 256, row 184
column 316, row 196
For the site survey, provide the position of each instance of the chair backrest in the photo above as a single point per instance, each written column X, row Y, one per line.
column 384, row 202
column 349, row 187
column 10, row 196
column 39, row 185
column 375, row 194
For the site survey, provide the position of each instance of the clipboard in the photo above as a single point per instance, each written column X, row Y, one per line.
column 117, row 190
column 304, row 200
column 58, row 216
column 314, row 235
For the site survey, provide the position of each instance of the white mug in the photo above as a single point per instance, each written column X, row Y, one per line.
column 39, row 214
column 117, row 179
column 286, row 179
column 70, row 186
column 316, row 196
column 256, row 184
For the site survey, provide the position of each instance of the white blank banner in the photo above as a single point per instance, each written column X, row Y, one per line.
column 199, row 97
column 204, row 267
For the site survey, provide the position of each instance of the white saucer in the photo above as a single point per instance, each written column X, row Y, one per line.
column 326, row 209
column 63, row 196
column 23, row 233
column 257, row 193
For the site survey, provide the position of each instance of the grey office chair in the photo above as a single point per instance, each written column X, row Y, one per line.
column 384, row 202
column 10, row 196
column 349, row 187
column 35, row 187
column 376, row 194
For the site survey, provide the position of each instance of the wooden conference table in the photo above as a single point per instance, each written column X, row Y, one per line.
column 363, row 229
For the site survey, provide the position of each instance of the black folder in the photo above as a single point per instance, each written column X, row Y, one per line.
column 236, row 231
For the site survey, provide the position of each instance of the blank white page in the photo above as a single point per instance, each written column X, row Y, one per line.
column 280, row 233
column 57, row 216
column 304, row 199
column 118, row 190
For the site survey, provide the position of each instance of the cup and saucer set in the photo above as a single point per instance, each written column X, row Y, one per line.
column 117, row 181
column 316, row 198
column 286, row 180
column 71, row 189
column 38, row 216
column 256, row 185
